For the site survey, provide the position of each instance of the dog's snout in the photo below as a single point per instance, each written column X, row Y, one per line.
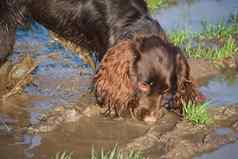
column 168, row 101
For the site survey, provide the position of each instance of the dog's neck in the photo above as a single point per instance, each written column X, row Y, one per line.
column 144, row 26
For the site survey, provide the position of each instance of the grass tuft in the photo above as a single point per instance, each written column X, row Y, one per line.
column 155, row 4
column 63, row 155
column 116, row 154
column 180, row 38
column 197, row 114
column 220, row 30
column 215, row 42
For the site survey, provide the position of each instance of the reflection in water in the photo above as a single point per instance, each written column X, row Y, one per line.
column 222, row 89
column 226, row 152
column 188, row 16
column 87, row 133
column 32, row 141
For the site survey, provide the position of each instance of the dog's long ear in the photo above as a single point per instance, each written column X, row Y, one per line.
column 114, row 78
column 182, row 68
column 185, row 84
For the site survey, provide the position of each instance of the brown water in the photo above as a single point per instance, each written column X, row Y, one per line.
column 63, row 79
column 50, row 90
column 77, row 137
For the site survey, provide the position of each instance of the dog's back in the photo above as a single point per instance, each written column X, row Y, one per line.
column 92, row 24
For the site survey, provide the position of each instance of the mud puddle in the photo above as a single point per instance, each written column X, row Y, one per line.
column 78, row 137
column 60, row 80
column 222, row 90
column 52, row 89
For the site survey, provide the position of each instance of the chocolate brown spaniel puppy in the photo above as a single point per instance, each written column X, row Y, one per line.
column 143, row 75
column 140, row 71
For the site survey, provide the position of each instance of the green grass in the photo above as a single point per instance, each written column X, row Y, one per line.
column 113, row 154
column 155, row 4
column 228, row 49
column 197, row 114
column 221, row 30
column 180, row 38
column 116, row 154
column 215, row 42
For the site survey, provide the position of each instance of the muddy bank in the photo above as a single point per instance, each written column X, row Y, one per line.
column 171, row 138
column 14, row 76
column 204, row 69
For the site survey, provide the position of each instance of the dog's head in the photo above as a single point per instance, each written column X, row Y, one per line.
column 143, row 75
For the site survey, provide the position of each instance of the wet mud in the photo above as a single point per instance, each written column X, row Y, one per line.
column 180, row 139
column 59, row 113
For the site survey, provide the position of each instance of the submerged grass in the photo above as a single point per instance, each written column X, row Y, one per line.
column 115, row 153
column 197, row 114
column 63, row 155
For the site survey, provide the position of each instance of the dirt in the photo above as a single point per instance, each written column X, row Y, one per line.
column 202, row 69
column 13, row 77
column 170, row 138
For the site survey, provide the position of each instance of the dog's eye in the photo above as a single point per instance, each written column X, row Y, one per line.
column 145, row 86
column 151, row 83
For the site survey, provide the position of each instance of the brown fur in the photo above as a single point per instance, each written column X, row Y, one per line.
column 140, row 71
column 117, row 80
column 113, row 82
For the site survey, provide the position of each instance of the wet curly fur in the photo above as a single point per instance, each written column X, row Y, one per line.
column 118, row 79
column 140, row 71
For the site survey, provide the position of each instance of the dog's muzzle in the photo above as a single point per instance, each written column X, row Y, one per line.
column 168, row 101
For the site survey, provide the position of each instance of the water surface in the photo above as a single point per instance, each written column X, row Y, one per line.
column 189, row 15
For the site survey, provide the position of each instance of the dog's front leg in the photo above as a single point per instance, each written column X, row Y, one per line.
column 83, row 53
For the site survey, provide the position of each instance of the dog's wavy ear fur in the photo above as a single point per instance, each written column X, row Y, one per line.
column 186, row 87
column 114, row 81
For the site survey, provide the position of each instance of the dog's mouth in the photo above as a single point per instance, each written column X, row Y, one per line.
column 176, row 102
column 173, row 103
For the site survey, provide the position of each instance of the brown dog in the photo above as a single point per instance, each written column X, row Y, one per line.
column 142, row 75
column 140, row 71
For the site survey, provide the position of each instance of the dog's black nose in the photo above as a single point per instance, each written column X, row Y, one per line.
column 168, row 101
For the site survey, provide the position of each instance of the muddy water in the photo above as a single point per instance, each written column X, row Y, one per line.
column 56, row 86
column 77, row 137
column 221, row 90
column 63, row 79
